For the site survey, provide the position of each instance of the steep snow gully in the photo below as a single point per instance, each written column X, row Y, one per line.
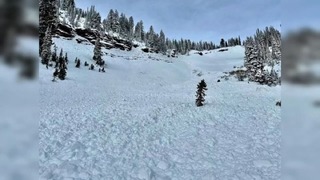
column 139, row 120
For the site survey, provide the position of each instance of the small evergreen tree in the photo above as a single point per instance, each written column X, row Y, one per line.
column 91, row 67
column 202, row 87
column 62, row 70
column 55, row 74
column 62, row 74
column 66, row 58
column 222, row 43
column 54, row 57
column 78, row 63
column 60, row 59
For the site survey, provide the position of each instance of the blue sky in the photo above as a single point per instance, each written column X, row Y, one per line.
column 297, row 14
column 206, row 20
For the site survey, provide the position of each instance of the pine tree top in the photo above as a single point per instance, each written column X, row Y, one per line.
column 203, row 83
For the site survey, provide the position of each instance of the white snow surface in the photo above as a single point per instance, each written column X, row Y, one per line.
column 139, row 120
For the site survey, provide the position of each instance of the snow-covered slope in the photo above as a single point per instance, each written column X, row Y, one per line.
column 139, row 120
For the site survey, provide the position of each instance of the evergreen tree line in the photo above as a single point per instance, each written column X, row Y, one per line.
column 263, row 49
column 267, row 43
column 230, row 42
column 113, row 23
column 119, row 24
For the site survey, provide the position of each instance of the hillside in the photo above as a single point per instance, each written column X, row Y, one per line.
column 139, row 120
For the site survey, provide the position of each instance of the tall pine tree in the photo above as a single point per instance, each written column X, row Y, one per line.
column 46, row 47
column 97, row 53
column 48, row 16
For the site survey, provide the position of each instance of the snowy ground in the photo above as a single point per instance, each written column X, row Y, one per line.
column 139, row 120
column 300, row 132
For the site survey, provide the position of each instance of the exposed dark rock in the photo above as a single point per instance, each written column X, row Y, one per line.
column 146, row 50
column 107, row 45
column 86, row 33
column 120, row 46
column 221, row 50
column 150, row 50
column 90, row 37
column 64, row 31
column 135, row 45
column 83, row 41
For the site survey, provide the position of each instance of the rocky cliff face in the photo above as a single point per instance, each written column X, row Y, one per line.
column 90, row 36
